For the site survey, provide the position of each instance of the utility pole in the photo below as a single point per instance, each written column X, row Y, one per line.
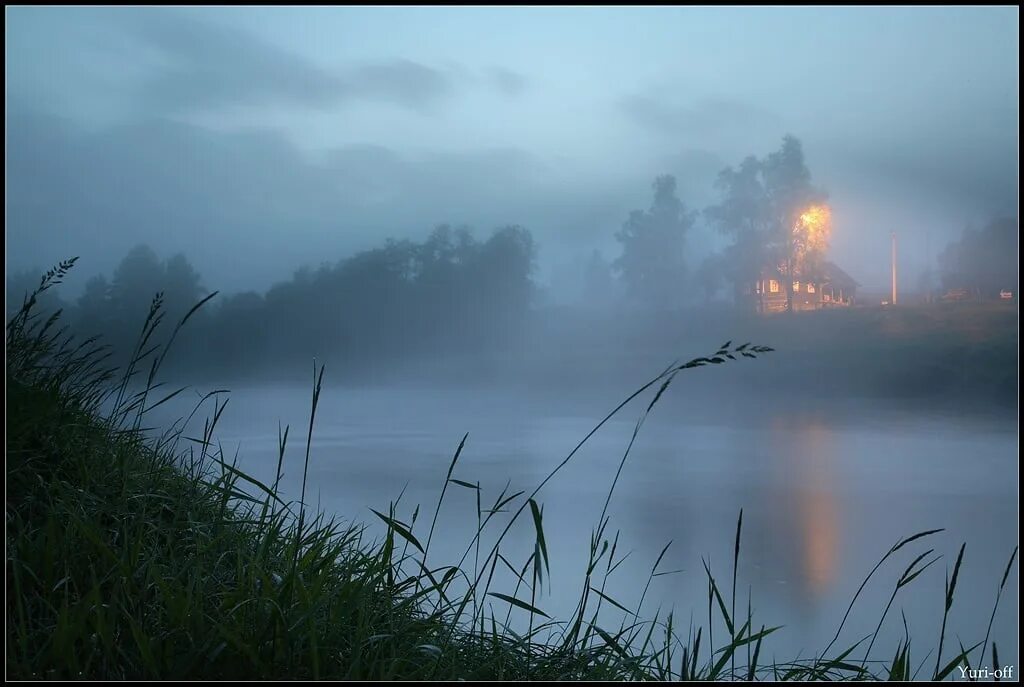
column 893, row 298
column 928, row 265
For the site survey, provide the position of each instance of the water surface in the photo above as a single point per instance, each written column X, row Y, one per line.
column 825, row 490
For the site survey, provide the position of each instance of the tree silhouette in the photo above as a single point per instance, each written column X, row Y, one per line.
column 796, row 239
column 983, row 261
column 776, row 219
column 743, row 215
column 653, row 260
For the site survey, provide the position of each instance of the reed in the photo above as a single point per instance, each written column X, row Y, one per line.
column 134, row 557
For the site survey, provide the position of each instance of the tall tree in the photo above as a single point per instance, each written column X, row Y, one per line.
column 94, row 307
column 507, row 259
column 653, row 260
column 799, row 222
column 137, row 278
column 181, row 285
column 743, row 215
column 776, row 219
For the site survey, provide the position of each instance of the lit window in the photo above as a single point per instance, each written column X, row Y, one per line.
column 826, row 297
column 810, row 287
column 773, row 286
column 796, row 287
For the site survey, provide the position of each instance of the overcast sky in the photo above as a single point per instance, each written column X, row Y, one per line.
column 258, row 139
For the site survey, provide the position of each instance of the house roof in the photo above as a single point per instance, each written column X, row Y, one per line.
column 835, row 275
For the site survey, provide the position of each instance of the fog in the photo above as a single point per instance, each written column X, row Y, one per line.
column 276, row 138
column 503, row 221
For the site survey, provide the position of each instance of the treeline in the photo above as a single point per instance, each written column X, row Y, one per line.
column 984, row 261
column 454, row 294
column 451, row 293
column 772, row 217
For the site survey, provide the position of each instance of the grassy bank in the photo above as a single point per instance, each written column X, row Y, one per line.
column 137, row 554
column 958, row 355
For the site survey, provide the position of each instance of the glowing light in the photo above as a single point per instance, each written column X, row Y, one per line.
column 811, row 232
column 815, row 219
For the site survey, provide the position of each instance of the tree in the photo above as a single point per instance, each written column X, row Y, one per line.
column 181, row 285
column 653, row 261
column 984, row 261
column 743, row 215
column 800, row 224
column 503, row 278
column 94, row 307
column 710, row 275
column 239, row 336
column 775, row 217
column 137, row 278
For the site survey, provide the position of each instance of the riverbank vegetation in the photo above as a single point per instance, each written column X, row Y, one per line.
column 135, row 553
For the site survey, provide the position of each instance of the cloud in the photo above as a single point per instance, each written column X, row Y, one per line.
column 400, row 81
column 249, row 206
column 202, row 66
column 507, row 81
column 704, row 117
column 973, row 173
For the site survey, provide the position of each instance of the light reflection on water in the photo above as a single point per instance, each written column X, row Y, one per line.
column 824, row 495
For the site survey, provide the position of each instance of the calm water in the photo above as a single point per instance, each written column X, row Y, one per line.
column 825, row 492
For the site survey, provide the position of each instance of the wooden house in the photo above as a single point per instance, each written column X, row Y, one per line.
column 834, row 289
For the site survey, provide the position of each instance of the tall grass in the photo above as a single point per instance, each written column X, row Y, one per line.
column 137, row 557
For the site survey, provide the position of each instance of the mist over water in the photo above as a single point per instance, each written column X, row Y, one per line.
column 824, row 494
column 503, row 221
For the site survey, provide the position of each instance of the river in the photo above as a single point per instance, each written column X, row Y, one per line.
column 825, row 491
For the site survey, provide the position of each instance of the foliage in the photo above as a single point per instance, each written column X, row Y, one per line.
column 742, row 215
column 653, row 260
column 450, row 292
column 133, row 556
column 774, row 216
column 983, row 261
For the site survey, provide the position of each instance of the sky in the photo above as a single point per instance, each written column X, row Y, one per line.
column 256, row 140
